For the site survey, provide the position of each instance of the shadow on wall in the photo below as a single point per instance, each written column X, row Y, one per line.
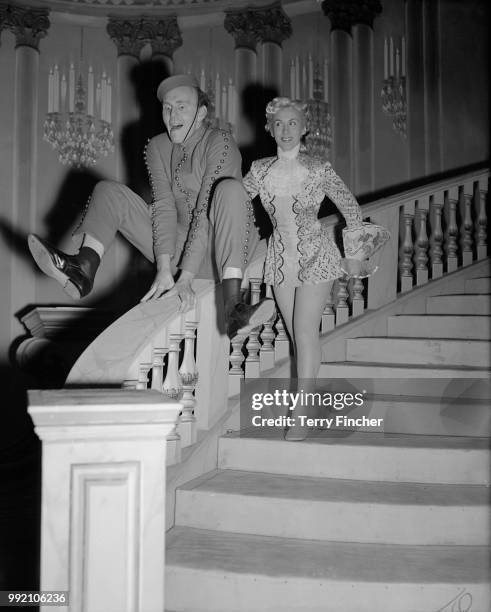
column 145, row 78
column 254, row 100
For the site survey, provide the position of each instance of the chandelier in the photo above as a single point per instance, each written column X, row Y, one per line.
column 222, row 95
column 319, row 137
column 308, row 82
column 393, row 94
column 78, row 122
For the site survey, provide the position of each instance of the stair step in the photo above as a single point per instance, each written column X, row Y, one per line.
column 428, row 416
column 227, row 572
column 478, row 285
column 297, row 507
column 419, row 351
column 461, row 304
column 360, row 456
column 440, row 326
column 400, row 379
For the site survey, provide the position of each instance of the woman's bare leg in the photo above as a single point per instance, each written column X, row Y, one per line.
column 285, row 300
column 310, row 301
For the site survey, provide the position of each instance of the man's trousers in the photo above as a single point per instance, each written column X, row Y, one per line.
column 233, row 239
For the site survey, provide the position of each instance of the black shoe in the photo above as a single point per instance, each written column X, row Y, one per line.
column 75, row 273
column 244, row 317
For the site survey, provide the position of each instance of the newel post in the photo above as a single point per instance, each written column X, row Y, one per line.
column 103, row 495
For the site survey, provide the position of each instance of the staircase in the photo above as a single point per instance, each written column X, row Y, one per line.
column 357, row 521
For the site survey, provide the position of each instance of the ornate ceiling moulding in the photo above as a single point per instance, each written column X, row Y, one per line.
column 163, row 8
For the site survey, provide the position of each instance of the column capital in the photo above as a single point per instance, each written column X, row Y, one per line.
column 346, row 13
column 126, row 35
column 3, row 16
column 28, row 24
column 242, row 25
column 164, row 35
column 273, row 24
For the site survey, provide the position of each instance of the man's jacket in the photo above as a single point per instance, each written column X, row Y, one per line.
column 182, row 178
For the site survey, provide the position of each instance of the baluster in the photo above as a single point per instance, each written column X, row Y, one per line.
column 453, row 230
column 436, row 251
column 143, row 371
column 407, row 248
column 468, row 226
column 342, row 308
column 189, row 377
column 358, row 301
column 172, row 387
column 422, row 243
column 328, row 317
column 482, row 249
column 282, row 342
column 252, row 369
column 266, row 353
column 129, row 383
column 236, row 373
column 158, row 368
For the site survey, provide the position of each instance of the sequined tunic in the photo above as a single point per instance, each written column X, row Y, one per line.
column 182, row 177
column 292, row 188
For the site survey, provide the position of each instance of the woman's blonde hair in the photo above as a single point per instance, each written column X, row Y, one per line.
column 283, row 102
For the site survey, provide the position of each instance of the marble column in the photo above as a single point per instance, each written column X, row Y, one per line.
column 164, row 37
column 243, row 26
column 125, row 35
column 273, row 28
column 416, row 129
column 28, row 25
column 363, row 109
column 352, row 103
column 432, row 87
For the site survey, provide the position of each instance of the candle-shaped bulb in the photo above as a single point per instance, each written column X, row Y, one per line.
column 71, row 89
column 108, row 100
column 50, row 90
column 403, row 57
column 391, row 56
column 386, row 59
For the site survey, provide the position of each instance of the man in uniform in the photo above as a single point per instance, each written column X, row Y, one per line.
column 200, row 221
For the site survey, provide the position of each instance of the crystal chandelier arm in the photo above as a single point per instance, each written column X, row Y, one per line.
column 164, row 210
column 336, row 190
column 250, row 182
column 222, row 161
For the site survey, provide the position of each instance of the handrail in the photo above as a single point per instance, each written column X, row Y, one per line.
column 435, row 229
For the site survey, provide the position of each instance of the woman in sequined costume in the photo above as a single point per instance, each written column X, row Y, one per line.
column 302, row 260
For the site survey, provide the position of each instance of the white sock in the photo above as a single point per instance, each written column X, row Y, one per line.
column 232, row 273
column 94, row 244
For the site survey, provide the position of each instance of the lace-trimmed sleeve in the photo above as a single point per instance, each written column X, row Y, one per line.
column 250, row 182
column 333, row 186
